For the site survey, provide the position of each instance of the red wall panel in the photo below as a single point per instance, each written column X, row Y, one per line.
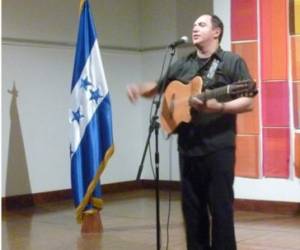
column 275, row 104
column 274, row 25
column 243, row 20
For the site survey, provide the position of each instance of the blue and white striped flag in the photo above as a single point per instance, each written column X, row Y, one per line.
column 90, row 118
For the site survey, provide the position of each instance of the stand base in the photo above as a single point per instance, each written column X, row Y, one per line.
column 91, row 223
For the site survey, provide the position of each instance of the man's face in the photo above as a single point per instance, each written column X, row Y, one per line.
column 203, row 31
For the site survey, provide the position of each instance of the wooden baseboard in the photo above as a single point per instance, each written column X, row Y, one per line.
column 163, row 185
column 277, row 207
column 28, row 200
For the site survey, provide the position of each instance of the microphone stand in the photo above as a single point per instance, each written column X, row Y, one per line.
column 154, row 126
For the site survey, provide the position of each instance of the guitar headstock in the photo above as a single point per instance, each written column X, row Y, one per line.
column 243, row 88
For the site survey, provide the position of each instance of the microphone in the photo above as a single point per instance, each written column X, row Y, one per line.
column 182, row 40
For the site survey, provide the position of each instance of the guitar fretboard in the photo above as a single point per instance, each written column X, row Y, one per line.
column 214, row 93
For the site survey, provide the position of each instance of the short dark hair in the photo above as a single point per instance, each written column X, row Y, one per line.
column 217, row 23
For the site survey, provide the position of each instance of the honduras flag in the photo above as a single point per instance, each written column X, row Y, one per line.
column 90, row 119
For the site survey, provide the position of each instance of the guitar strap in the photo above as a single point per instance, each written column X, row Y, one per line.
column 209, row 77
column 212, row 69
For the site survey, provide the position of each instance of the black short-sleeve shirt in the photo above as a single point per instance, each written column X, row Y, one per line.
column 208, row 132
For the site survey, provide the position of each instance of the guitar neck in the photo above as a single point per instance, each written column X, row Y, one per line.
column 214, row 93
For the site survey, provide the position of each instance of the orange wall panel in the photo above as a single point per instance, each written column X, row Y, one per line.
column 246, row 156
column 248, row 123
column 295, row 47
column 249, row 52
column 274, row 25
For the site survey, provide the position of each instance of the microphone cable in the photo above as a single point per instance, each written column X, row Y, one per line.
column 169, row 191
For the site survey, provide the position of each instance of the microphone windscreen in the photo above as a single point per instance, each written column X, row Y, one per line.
column 185, row 39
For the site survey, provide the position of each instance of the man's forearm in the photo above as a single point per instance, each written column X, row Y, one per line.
column 240, row 105
column 148, row 89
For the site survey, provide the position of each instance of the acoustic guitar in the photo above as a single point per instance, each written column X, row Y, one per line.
column 176, row 109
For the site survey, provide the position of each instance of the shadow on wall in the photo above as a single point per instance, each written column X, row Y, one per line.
column 17, row 177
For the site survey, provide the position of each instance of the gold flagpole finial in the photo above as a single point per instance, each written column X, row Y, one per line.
column 80, row 5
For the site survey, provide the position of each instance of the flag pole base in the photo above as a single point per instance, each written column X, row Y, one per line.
column 91, row 223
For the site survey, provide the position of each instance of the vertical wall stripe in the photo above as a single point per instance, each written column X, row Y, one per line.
column 275, row 88
column 259, row 77
column 248, row 123
column 244, row 34
column 291, row 96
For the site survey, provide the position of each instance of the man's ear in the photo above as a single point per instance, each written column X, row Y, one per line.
column 217, row 32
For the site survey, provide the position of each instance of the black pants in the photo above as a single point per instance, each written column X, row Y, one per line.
column 207, row 200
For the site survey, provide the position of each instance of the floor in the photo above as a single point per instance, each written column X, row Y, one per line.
column 129, row 223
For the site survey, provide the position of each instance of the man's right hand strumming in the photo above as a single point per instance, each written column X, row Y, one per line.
column 134, row 91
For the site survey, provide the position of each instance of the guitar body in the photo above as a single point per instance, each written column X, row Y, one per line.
column 175, row 106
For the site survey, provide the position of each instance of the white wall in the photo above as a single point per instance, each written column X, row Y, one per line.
column 117, row 21
column 187, row 11
column 42, row 78
column 158, row 20
column 223, row 10
column 38, row 53
column 152, row 64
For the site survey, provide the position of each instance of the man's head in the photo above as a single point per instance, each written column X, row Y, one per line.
column 207, row 29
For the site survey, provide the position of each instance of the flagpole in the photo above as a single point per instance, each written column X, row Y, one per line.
column 91, row 223
column 80, row 5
